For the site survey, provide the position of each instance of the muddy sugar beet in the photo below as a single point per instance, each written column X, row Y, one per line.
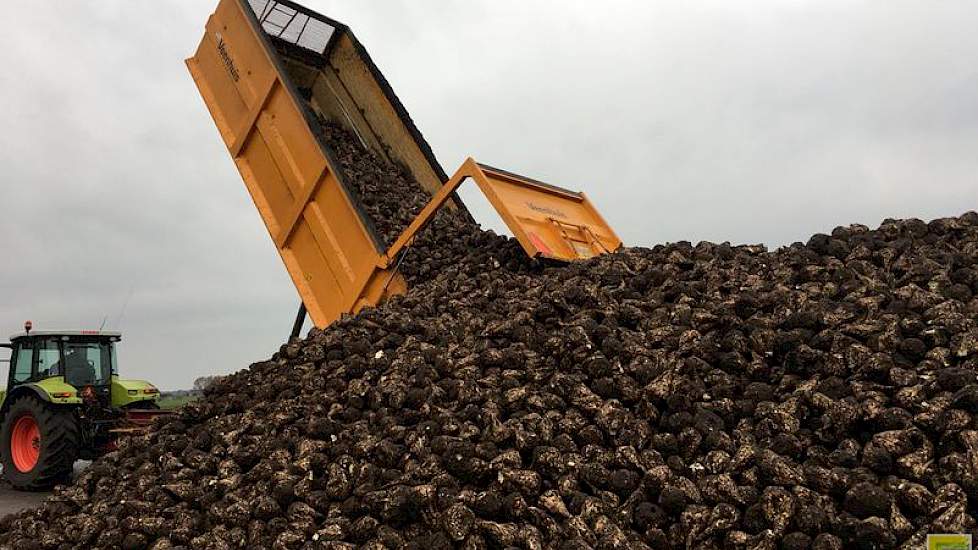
column 820, row 396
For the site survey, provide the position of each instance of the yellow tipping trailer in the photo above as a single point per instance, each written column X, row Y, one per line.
column 267, row 70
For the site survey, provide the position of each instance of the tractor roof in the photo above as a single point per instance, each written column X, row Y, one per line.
column 91, row 333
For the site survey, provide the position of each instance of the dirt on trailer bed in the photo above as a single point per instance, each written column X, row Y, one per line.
column 712, row 396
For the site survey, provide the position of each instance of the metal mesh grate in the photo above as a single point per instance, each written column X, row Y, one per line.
column 292, row 25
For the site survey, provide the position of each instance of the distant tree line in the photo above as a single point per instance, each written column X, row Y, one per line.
column 200, row 384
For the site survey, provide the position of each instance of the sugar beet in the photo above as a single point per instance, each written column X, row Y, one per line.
column 711, row 396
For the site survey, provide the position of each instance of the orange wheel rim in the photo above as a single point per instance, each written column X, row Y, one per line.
column 25, row 443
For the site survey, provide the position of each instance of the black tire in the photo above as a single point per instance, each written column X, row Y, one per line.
column 59, row 443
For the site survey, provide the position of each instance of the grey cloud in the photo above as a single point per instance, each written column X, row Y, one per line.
column 750, row 122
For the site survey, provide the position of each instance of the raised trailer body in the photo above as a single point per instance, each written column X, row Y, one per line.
column 268, row 71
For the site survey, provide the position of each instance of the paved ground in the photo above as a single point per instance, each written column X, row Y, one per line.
column 14, row 501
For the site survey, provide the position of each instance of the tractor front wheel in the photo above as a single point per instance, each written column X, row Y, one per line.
column 38, row 444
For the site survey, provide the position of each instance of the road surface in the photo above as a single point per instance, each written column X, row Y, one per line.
column 14, row 501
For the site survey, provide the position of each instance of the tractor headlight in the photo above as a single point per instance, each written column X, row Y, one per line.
column 132, row 392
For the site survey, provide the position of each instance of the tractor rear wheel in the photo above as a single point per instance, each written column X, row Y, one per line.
column 38, row 444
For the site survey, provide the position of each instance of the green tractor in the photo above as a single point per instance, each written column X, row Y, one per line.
column 65, row 401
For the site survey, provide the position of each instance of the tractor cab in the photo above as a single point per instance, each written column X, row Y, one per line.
column 85, row 360
column 74, row 368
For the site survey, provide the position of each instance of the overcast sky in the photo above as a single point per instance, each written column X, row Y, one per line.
column 761, row 121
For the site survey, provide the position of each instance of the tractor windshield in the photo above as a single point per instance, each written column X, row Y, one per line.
column 90, row 363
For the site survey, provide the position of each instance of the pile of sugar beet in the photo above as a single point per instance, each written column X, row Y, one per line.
column 712, row 396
